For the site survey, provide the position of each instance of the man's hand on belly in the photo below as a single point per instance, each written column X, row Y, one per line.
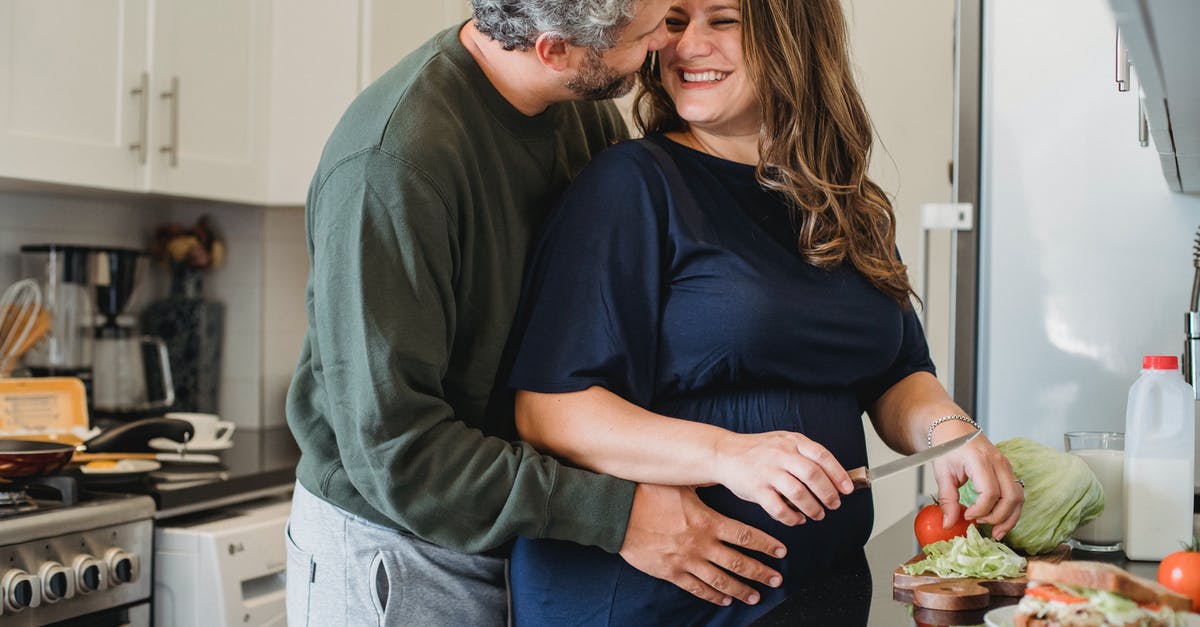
column 673, row 536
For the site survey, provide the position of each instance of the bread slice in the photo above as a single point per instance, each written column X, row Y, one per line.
column 1102, row 576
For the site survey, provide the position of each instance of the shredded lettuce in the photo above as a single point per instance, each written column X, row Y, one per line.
column 1106, row 602
column 969, row 556
column 1120, row 610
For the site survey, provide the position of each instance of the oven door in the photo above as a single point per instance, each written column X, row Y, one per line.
column 130, row 616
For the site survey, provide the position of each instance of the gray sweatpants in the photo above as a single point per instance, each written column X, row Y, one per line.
column 343, row 570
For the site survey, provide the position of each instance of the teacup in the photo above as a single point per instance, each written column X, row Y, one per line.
column 206, row 428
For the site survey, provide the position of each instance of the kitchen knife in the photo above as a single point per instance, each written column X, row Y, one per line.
column 863, row 477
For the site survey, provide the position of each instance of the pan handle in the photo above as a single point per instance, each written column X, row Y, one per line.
column 134, row 437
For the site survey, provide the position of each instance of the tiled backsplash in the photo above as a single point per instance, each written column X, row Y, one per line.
column 261, row 283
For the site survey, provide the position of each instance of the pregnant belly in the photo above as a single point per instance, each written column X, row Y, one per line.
column 829, row 417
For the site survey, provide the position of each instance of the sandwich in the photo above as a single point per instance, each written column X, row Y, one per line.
column 1091, row 594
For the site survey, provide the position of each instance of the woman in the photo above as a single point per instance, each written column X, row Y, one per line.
column 716, row 305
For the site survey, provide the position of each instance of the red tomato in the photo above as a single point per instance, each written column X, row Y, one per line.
column 1180, row 571
column 928, row 526
column 1053, row 593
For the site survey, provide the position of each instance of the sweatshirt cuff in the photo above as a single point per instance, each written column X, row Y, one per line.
column 589, row 508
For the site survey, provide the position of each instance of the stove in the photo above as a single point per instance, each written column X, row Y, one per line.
column 71, row 555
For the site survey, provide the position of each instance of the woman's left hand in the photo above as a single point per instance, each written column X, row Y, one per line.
column 1000, row 494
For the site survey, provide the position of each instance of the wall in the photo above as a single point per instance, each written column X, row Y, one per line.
column 263, row 279
column 1086, row 255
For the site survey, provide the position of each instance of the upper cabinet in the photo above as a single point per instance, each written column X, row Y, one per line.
column 222, row 99
column 208, row 97
column 394, row 28
column 1164, row 49
column 67, row 75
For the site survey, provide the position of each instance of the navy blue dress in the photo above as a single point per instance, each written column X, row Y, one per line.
column 670, row 277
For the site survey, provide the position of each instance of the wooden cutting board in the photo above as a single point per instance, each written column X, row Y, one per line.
column 963, row 593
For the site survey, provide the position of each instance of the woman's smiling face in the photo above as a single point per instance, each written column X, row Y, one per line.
column 704, row 71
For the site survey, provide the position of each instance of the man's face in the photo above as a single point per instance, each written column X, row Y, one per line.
column 612, row 73
column 597, row 80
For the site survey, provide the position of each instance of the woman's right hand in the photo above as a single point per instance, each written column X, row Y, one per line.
column 792, row 477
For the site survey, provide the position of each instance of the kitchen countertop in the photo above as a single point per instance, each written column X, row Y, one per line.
column 261, row 463
column 862, row 594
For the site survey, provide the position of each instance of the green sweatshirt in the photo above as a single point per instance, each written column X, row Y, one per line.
column 418, row 221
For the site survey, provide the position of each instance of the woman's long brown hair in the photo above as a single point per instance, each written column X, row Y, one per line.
column 815, row 142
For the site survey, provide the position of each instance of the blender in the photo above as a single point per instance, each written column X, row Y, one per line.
column 131, row 374
column 64, row 274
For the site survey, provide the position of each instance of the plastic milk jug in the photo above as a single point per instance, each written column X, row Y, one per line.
column 1159, row 460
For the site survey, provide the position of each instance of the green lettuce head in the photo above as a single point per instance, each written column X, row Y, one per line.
column 1061, row 493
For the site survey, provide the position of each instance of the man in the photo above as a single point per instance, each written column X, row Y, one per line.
column 418, row 220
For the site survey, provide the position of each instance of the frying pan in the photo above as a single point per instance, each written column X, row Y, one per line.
column 21, row 459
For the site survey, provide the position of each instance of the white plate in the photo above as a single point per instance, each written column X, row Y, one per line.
column 166, row 444
column 123, row 467
column 1000, row 617
column 1003, row 617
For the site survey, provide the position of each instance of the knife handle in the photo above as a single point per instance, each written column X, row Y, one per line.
column 859, row 477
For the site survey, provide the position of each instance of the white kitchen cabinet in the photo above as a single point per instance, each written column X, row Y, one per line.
column 1163, row 47
column 164, row 96
column 208, row 98
column 67, row 69
column 393, row 28
column 222, row 99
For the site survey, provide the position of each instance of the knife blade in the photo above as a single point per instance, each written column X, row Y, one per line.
column 863, row 477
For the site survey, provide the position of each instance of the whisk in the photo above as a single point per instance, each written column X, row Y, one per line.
column 21, row 316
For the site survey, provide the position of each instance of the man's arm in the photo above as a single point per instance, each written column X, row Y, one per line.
column 384, row 258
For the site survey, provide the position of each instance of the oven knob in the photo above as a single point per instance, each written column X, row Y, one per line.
column 58, row 582
column 122, row 566
column 90, row 574
column 21, row 590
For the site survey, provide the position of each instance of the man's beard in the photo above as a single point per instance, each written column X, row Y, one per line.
column 597, row 81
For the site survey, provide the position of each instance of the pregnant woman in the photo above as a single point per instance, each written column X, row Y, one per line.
column 717, row 304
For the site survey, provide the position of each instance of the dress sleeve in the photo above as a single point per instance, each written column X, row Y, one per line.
column 383, row 263
column 912, row 357
column 591, row 304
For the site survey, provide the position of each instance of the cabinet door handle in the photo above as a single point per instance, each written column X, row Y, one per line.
column 172, row 147
column 1143, row 123
column 1122, row 63
column 142, row 93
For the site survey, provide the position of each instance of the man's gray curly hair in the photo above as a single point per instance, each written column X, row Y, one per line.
column 516, row 24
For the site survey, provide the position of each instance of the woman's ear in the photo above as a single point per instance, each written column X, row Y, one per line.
column 555, row 53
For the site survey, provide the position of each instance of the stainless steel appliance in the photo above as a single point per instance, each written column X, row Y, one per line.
column 71, row 556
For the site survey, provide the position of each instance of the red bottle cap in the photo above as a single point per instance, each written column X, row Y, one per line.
column 1160, row 362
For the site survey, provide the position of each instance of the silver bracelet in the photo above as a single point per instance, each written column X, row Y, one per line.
column 929, row 434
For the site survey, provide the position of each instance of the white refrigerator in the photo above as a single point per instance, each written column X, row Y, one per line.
column 1081, row 260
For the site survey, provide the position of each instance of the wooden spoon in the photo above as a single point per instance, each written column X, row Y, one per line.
column 15, row 321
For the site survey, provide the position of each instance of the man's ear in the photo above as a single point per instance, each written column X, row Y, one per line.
column 555, row 53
